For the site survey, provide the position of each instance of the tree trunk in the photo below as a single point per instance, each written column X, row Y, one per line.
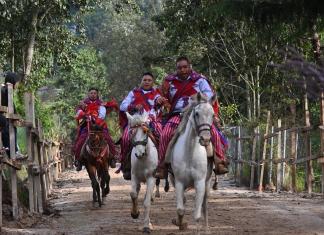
column 31, row 44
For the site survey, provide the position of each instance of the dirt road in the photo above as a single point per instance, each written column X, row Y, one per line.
column 232, row 211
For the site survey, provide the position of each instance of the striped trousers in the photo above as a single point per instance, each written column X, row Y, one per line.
column 217, row 139
column 154, row 125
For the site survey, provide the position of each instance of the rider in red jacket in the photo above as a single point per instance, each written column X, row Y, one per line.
column 94, row 107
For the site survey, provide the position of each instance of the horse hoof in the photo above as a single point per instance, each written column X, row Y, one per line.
column 215, row 186
column 157, row 195
column 183, row 226
column 166, row 188
column 135, row 215
column 146, row 230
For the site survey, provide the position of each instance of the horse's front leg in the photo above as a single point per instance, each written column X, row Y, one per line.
column 147, row 204
column 105, row 181
column 134, row 195
column 180, row 206
column 95, row 186
column 200, row 193
column 157, row 190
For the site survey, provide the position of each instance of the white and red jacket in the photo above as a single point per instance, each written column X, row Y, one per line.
column 147, row 98
column 178, row 91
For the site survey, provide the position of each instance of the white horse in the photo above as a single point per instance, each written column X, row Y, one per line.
column 144, row 160
column 188, row 157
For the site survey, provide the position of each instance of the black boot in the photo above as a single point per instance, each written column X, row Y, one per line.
column 112, row 163
column 127, row 175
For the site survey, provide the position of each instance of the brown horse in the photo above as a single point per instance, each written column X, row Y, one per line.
column 95, row 154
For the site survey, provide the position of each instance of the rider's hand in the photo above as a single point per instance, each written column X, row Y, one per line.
column 160, row 100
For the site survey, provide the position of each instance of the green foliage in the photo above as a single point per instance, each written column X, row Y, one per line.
column 84, row 71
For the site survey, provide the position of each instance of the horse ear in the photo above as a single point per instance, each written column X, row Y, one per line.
column 213, row 99
column 129, row 117
column 145, row 115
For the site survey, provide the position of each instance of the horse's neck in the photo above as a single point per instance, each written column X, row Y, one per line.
column 189, row 136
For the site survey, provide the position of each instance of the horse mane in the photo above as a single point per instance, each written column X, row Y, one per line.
column 185, row 118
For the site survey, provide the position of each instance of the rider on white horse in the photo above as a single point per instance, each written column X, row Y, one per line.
column 145, row 99
column 177, row 89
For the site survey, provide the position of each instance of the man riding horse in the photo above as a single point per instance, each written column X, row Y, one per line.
column 177, row 89
column 94, row 108
column 145, row 99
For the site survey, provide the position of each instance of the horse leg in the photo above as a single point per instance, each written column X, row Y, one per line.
column 200, row 193
column 134, row 195
column 166, row 186
column 95, row 185
column 180, row 206
column 215, row 185
column 157, row 184
column 205, row 205
column 147, row 204
column 105, row 181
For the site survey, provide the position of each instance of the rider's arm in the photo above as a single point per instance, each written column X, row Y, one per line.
column 205, row 88
column 102, row 112
column 125, row 105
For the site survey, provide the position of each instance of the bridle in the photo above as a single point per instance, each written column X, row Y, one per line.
column 93, row 144
column 133, row 131
column 201, row 127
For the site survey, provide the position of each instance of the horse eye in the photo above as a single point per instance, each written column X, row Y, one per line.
column 197, row 114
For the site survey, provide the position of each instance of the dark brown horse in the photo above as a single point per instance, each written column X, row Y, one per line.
column 95, row 154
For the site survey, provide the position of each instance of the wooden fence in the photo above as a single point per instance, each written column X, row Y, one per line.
column 44, row 161
column 270, row 156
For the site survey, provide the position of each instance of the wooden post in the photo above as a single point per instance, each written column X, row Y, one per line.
column 0, row 195
column 293, row 148
column 41, row 163
column 254, row 146
column 309, row 167
column 321, row 160
column 12, row 153
column 271, row 157
column 30, row 117
column 239, row 157
column 278, row 178
column 283, row 164
column 1, row 168
column 264, row 152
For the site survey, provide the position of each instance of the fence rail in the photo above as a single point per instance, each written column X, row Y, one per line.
column 44, row 161
column 277, row 149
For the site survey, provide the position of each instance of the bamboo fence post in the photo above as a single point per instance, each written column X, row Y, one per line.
column 278, row 178
column 293, row 148
column 239, row 156
column 253, row 157
column 12, row 153
column 264, row 152
column 309, row 167
column 271, row 157
column 321, row 160
column 283, row 164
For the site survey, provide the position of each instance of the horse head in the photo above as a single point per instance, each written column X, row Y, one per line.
column 202, row 116
column 138, row 133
